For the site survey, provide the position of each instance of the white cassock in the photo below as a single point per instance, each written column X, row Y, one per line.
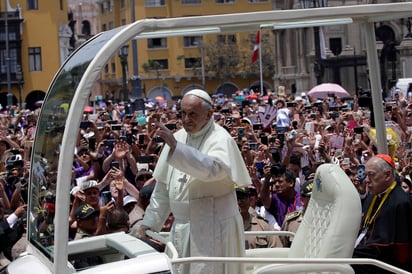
column 196, row 183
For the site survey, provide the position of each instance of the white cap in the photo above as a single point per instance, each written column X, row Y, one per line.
column 129, row 199
column 88, row 184
column 201, row 94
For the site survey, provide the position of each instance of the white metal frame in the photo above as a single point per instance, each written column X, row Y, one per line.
column 367, row 14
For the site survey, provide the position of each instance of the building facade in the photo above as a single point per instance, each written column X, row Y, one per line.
column 36, row 44
column 41, row 34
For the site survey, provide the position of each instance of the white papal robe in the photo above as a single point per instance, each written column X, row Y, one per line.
column 196, row 183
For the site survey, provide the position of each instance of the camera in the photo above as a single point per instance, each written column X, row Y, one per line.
column 240, row 131
column 158, row 139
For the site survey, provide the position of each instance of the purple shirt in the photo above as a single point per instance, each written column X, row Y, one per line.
column 279, row 207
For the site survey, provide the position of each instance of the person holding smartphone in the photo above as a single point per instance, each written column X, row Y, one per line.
column 122, row 154
column 195, row 175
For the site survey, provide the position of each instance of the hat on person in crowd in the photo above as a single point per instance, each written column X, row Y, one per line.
column 242, row 192
column 146, row 191
column 201, row 94
column 82, row 150
column 128, row 199
column 298, row 98
column 387, row 159
column 246, row 121
column 88, row 184
column 84, row 211
column 306, row 188
column 252, row 190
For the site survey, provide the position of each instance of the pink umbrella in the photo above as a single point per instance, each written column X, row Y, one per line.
column 88, row 109
column 322, row 91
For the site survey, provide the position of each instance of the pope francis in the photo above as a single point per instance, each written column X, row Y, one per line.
column 195, row 174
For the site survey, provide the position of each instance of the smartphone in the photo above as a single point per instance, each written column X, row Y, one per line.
column 273, row 150
column 241, row 131
column 358, row 130
column 290, row 104
column 158, row 139
column 171, row 126
column 106, row 197
column 253, row 146
column 272, row 139
column 264, row 140
column 257, row 126
column 112, row 122
column 217, row 116
column 145, row 159
column 84, row 124
column 141, row 139
column 116, row 127
column 110, row 142
column 115, row 164
column 305, row 140
column 388, row 108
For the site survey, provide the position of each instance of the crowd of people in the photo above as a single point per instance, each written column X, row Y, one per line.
column 229, row 163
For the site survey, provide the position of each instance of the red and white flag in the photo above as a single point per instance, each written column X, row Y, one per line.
column 255, row 54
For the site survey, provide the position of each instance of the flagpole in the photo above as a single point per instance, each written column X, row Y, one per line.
column 260, row 67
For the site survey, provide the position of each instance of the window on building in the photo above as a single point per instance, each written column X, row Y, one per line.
column 335, row 45
column 163, row 63
column 35, row 59
column 111, row 25
column 193, row 63
column 224, row 1
column 155, row 3
column 113, row 67
column 104, row 27
column 123, row 22
column 106, row 69
column 227, row 39
column 32, row 5
column 111, row 6
column 103, row 7
column 191, row 2
column 86, row 27
column 157, row 43
column 192, row 41
column 122, row 4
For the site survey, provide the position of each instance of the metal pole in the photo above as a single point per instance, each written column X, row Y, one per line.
column 7, row 59
column 124, row 81
column 203, row 65
column 376, row 89
column 136, row 79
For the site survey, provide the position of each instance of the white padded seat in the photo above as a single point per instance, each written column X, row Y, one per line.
column 329, row 227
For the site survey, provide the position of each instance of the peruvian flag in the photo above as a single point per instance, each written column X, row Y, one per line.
column 255, row 54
